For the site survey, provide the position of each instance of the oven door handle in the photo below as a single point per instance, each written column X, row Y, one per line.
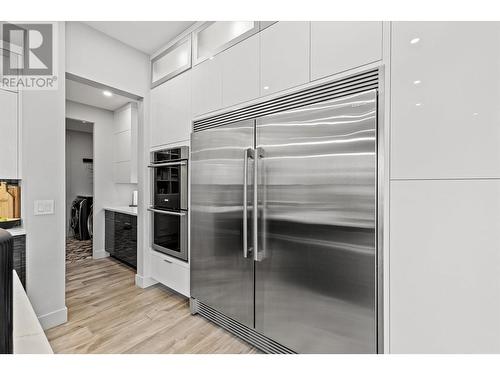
column 168, row 164
column 166, row 212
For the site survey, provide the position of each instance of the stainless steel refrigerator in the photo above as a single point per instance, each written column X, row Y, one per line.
column 283, row 222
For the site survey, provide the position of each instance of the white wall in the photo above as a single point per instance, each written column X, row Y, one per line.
column 106, row 192
column 43, row 174
column 79, row 175
column 93, row 55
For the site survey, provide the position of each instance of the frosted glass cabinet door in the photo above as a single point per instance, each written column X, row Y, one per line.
column 445, row 100
column 171, row 110
column 8, row 135
column 339, row 46
column 171, row 62
column 284, row 49
column 214, row 37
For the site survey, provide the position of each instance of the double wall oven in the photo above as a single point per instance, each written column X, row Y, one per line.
column 170, row 201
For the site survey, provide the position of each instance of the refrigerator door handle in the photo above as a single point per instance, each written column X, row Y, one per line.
column 259, row 153
column 248, row 154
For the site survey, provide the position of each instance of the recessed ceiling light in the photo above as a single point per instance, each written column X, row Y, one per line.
column 266, row 87
column 211, row 58
column 417, row 82
column 414, row 40
column 475, row 114
column 418, row 104
column 107, row 93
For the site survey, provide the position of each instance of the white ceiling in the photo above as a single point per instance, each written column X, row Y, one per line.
column 146, row 36
column 85, row 94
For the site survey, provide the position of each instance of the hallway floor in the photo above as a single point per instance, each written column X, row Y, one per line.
column 107, row 313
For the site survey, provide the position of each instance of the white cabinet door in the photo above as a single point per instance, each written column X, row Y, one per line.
column 339, row 46
column 125, row 144
column 240, row 72
column 8, row 135
column 445, row 91
column 284, row 56
column 171, row 110
column 207, row 86
column 122, row 146
column 122, row 172
column 445, row 266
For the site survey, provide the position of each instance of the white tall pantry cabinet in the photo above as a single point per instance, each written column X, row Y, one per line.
column 9, row 135
column 445, row 188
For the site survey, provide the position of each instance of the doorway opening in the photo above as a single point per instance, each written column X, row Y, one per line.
column 79, row 189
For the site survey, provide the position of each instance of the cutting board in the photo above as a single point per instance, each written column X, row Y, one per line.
column 6, row 202
column 15, row 191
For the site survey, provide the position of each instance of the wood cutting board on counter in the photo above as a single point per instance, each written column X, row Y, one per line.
column 15, row 191
column 6, row 202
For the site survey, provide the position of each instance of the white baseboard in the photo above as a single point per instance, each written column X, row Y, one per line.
column 144, row 282
column 54, row 318
column 100, row 254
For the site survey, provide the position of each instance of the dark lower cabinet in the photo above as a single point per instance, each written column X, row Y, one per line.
column 121, row 237
column 19, row 257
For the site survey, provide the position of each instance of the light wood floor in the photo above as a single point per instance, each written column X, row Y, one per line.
column 109, row 314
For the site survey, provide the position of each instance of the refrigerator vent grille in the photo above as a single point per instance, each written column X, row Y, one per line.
column 248, row 334
column 347, row 86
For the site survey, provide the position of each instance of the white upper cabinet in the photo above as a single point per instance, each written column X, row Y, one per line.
column 445, row 90
column 240, row 72
column 284, row 56
column 125, row 146
column 9, row 140
column 207, row 86
column 171, row 110
column 339, row 46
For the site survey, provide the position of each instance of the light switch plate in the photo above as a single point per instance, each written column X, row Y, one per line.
column 44, row 207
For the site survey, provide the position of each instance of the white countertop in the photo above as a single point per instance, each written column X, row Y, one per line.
column 29, row 337
column 17, row 231
column 123, row 209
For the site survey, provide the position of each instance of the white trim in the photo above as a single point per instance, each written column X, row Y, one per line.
column 386, row 256
column 144, row 282
column 99, row 254
column 54, row 318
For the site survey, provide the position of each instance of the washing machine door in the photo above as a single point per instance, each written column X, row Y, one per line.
column 90, row 222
